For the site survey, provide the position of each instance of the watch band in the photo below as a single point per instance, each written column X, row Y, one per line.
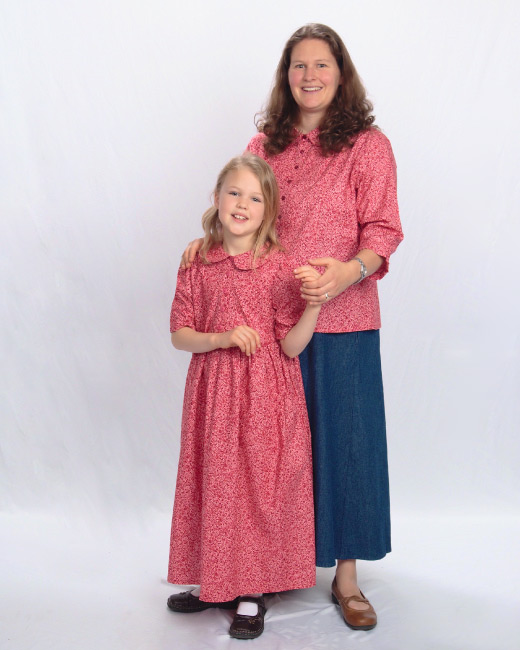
column 363, row 271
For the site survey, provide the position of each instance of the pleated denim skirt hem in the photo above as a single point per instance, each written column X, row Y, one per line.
column 344, row 394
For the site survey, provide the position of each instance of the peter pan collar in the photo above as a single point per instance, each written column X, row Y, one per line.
column 242, row 261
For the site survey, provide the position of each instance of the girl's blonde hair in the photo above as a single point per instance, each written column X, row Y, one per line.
column 266, row 237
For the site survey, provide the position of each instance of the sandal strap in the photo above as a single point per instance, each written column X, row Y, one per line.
column 257, row 601
column 251, row 599
column 346, row 600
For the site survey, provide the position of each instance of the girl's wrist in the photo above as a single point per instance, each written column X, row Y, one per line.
column 216, row 340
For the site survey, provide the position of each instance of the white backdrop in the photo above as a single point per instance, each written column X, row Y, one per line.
column 115, row 118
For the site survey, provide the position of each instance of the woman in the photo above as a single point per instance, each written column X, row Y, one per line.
column 339, row 212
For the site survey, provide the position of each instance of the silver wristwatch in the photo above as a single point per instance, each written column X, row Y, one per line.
column 363, row 272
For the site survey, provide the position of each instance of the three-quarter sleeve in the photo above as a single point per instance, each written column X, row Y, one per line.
column 182, row 313
column 376, row 198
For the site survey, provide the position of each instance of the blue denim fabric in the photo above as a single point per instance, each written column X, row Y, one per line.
column 344, row 393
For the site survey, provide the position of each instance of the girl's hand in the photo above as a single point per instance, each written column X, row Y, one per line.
column 306, row 274
column 243, row 337
column 337, row 277
column 189, row 254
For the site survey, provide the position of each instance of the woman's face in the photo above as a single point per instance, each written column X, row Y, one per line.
column 314, row 77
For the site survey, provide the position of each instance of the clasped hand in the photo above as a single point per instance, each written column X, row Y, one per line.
column 243, row 337
column 317, row 289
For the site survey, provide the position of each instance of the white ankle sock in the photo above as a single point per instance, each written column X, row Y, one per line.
column 247, row 608
column 196, row 592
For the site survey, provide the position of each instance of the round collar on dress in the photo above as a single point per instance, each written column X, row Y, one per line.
column 242, row 261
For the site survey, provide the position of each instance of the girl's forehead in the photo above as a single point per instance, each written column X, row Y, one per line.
column 241, row 174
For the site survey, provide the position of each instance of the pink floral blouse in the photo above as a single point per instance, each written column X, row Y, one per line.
column 334, row 206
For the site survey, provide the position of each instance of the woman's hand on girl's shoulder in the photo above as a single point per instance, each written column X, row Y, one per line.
column 189, row 254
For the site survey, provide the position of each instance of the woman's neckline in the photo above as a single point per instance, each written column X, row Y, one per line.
column 305, row 132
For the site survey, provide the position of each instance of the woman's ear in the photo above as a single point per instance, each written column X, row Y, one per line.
column 215, row 200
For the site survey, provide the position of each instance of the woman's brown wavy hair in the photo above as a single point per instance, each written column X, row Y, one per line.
column 266, row 237
column 349, row 112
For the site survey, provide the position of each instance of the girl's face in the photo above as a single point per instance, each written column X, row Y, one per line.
column 241, row 206
column 314, row 77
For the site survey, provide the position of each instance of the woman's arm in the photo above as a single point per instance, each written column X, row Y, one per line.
column 243, row 337
column 298, row 337
column 189, row 254
column 374, row 176
column 337, row 277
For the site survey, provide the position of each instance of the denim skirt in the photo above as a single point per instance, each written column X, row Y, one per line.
column 344, row 394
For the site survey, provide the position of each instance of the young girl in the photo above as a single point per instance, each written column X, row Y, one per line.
column 243, row 514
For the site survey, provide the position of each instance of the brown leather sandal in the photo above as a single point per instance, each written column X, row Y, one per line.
column 357, row 619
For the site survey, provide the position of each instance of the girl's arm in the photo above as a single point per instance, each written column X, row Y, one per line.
column 301, row 333
column 243, row 337
column 298, row 337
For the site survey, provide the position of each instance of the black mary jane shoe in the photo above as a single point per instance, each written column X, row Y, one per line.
column 187, row 603
column 248, row 627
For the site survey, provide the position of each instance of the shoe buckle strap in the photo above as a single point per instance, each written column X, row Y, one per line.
column 346, row 600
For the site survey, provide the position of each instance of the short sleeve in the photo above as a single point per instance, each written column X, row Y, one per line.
column 376, row 198
column 287, row 301
column 182, row 313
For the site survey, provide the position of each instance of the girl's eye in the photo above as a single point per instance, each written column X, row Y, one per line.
column 233, row 193
column 255, row 198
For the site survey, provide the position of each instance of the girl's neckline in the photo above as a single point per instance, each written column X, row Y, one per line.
column 242, row 261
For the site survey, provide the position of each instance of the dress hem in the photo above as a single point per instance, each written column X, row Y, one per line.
column 266, row 588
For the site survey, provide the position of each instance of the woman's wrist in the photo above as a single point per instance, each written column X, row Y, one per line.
column 351, row 273
column 363, row 271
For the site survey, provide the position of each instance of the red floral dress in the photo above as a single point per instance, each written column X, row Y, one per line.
column 243, row 514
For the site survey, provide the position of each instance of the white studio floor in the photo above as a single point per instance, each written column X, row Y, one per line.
column 451, row 583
